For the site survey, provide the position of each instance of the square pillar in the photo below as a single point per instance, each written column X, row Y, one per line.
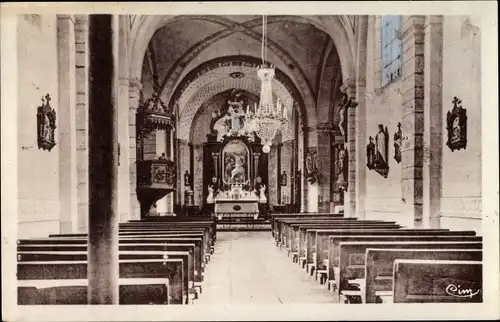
column 360, row 130
column 433, row 121
column 413, row 118
column 124, row 186
column 324, row 134
column 82, row 120
column 134, row 94
column 103, row 265
column 67, row 124
column 350, row 196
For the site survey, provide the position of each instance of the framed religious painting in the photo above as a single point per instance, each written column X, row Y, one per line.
column 235, row 163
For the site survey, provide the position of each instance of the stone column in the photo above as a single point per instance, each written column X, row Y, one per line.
column 324, row 133
column 124, row 186
column 82, row 120
column 350, row 195
column 300, row 156
column 67, row 124
column 272, row 189
column 361, row 117
column 171, row 156
column 433, row 121
column 103, row 269
column 161, row 147
column 134, row 92
column 286, row 166
column 413, row 117
column 309, row 191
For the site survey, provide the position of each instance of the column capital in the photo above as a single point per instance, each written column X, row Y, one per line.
column 135, row 84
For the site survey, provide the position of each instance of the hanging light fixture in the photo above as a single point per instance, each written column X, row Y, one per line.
column 268, row 118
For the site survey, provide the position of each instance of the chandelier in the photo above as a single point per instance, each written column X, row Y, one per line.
column 268, row 118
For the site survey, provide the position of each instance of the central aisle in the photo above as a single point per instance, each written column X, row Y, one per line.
column 247, row 268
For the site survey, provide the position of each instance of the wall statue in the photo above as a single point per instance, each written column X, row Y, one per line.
column 377, row 154
column 456, row 125
column 341, row 168
column 398, row 141
column 46, row 124
column 312, row 173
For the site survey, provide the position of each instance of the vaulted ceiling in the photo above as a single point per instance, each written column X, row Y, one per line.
column 298, row 49
column 215, row 36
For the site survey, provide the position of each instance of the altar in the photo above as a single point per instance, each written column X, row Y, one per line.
column 237, row 204
column 235, row 171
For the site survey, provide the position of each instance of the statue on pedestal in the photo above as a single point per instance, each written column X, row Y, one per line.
column 262, row 197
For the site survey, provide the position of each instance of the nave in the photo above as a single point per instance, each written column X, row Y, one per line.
column 247, row 268
column 314, row 259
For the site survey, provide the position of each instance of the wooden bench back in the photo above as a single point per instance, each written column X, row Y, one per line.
column 74, row 292
column 335, row 241
column 432, row 281
column 75, row 256
column 166, row 244
column 279, row 223
column 291, row 231
column 313, row 231
column 171, row 269
column 380, row 263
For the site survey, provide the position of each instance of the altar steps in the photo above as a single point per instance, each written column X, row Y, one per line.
column 243, row 224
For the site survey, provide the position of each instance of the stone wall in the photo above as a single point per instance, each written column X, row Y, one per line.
column 432, row 187
column 461, row 202
column 384, row 105
column 38, row 170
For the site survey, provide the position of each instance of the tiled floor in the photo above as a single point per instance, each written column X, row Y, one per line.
column 247, row 268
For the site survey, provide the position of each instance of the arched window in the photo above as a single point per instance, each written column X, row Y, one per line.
column 391, row 48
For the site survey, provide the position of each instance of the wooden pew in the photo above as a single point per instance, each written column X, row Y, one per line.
column 431, row 281
column 42, row 255
column 207, row 226
column 277, row 217
column 171, row 226
column 353, row 259
column 146, row 244
column 291, row 228
column 298, row 246
column 367, row 237
column 283, row 226
column 74, row 291
column 286, row 230
column 194, row 276
column 193, row 232
column 173, row 221
column 317, row 238
column 294, row 245
column 280, row 223
column 30, row 276
column 379, row 264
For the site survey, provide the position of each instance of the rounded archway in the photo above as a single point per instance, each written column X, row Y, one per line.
column 338, row 28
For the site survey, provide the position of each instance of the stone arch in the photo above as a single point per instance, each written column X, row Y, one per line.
column 213, row 84
column 176, row 71
column 330, row 82
column 222, row 67
column 143, row 29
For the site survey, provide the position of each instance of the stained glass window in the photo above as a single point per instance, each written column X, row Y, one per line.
column 391, row 48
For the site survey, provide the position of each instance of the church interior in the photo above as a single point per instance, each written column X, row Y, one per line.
column 239, row 159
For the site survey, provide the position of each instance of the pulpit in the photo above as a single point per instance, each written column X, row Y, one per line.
column 155, row 178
